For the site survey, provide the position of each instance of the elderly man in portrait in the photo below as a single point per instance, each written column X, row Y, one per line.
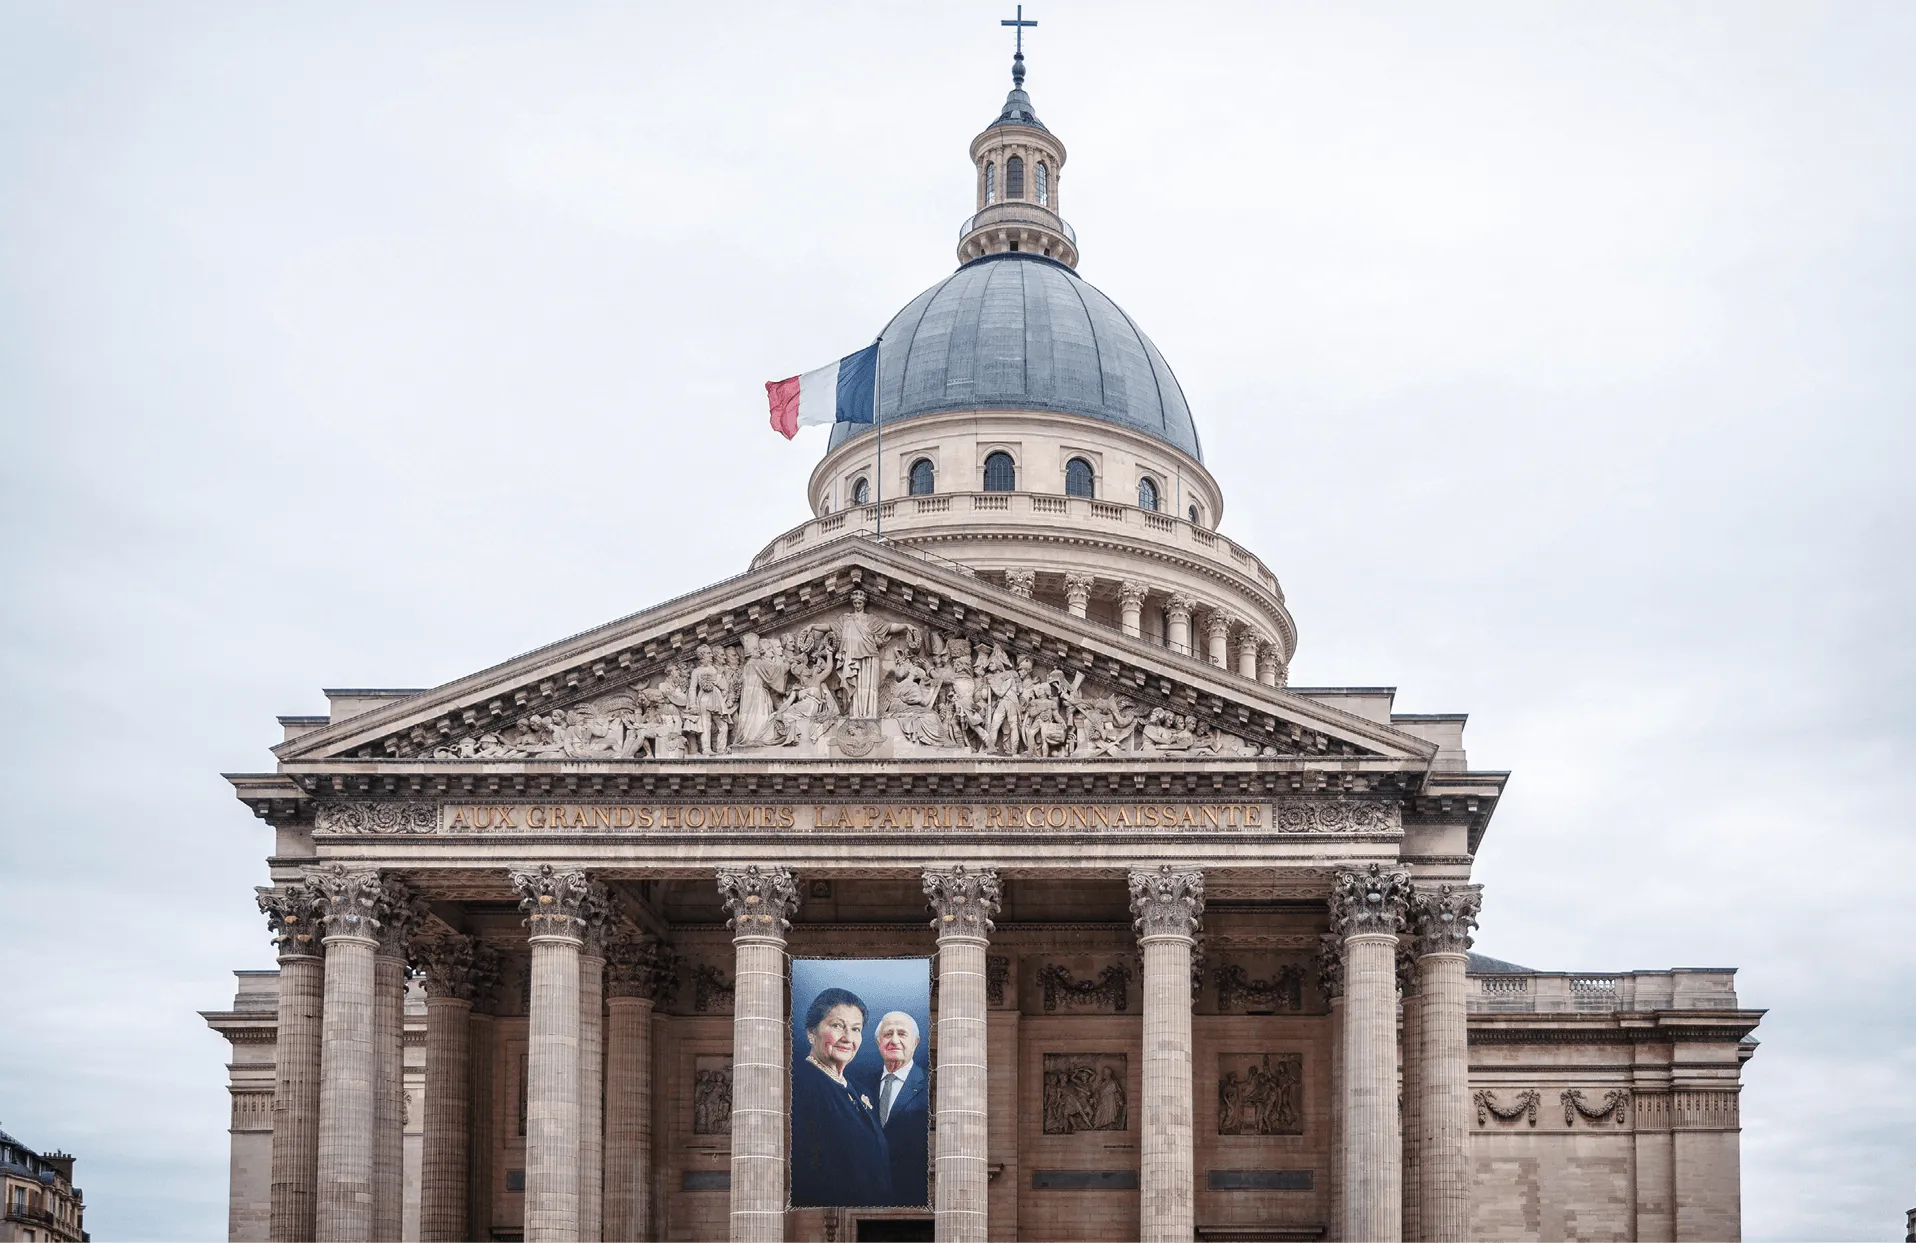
column 903, row 1101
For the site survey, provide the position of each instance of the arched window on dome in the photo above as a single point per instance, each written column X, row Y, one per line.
column 1079, row 479
column 1015, row 177
column 991, row 183
column 1195, row 517
column 923, row 477
column 1147, row 493
column 862, row 494
column 1041, row 184
column 1001, row 473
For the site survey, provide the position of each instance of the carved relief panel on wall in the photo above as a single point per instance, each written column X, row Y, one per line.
column 1260, row 1094
column 712, row 1094
column 1085, row 1092
column 851, row 684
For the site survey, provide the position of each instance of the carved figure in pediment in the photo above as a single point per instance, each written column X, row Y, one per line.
column 1044, row 729
column 761, row 690
column 861, row 639
column 1108, row 726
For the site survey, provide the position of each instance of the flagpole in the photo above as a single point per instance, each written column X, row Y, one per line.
column 878, row 453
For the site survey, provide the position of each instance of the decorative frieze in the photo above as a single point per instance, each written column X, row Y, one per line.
column 368, row 816
column 1085, row 1092
column 1372, row 900
column 964, row 901
column 1166, row 902
column 1110, row 989
column 1260, row 1094
column 552, row 900
column 1336, row 816
column 1443, row 919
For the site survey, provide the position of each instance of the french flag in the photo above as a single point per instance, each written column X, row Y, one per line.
column 844, row 392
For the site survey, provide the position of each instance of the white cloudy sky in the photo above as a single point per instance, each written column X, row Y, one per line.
column 1557, row 357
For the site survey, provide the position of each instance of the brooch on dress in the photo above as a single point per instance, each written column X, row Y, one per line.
column 866, row 1099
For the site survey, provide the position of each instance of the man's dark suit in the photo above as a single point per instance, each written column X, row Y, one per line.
column 907, row 1134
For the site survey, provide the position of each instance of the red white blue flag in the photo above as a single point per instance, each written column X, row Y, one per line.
column 844, row 392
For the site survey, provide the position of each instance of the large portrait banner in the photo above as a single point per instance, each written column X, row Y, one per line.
column 861, row 1088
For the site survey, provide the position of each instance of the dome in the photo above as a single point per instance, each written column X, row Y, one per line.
column 1021, row 331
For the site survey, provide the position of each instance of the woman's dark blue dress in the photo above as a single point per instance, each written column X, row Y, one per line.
column 839, row 1155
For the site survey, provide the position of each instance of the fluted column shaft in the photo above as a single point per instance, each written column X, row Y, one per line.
column 628, row 1116
column 1337, row 1117
column 1218, row 632
column 443, row 1190
column 963, row 903
column 552, row 901
column 294, row 916
column 1167, row 905
column 481, row 1057
column 760, row 903
column 343, row 1212
column 1368, row 910
column 1410, row 1060
column 1247, row 646
column 1443, row 920
column 591, row 1094
column 389, row 1093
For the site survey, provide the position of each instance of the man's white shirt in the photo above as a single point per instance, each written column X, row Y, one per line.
column 885, row 1102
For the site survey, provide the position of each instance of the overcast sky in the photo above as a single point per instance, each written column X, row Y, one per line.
column 1557, row 358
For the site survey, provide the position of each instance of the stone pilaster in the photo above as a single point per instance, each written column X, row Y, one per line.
column 1368, row 910
column 597, row 913
column 638, row 972
column 1167, row 906
column 482, row 1043
column 1131, row 595
column 1077, row 592
column 1442, row 921
column 401, row 916
column 1020, row 582
column 446, row 964
column 1330, row 978
column 350, row 907
column 760, row 902
column 294, row 916
column 552, row 900
column 964, row 903
column 1177, row 623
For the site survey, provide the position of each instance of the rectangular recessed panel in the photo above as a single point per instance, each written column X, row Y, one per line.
column 515, row 1180
column 1084, row 1180
column 1261, row 1180
column 707, row 1180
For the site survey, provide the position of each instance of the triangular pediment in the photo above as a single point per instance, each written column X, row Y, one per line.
column 853, row 650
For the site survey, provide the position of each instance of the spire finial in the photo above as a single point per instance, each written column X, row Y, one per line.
column 1018, row 56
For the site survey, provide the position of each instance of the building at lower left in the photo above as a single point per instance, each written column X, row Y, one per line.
column 41, row 1200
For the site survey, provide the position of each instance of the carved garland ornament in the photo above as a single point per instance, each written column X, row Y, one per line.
column 1615, row 1107
column 376, row 817
column 1525, row 1107
column 1283, row 991
column 1110, row 988
column 964, row 902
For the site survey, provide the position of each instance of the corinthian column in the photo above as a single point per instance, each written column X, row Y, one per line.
column 1177, row 623
column 1410, row 1088
column 597, row 913
column 350, row 906
column 1131, row 607
column 481, row 1045
column 1443, row 921
column 638, row 971
column 293, row 915
column 401, row 916
column 1330, row 978
column 1217, row 631
column 446, row 963
column 760, row 903
column 1020, row 582
column 1247, row 645
column 1167, row 906
column 1367, row 911
column 1077, row 593
column 964, row 903
column 1270, row 664
column 552, row 900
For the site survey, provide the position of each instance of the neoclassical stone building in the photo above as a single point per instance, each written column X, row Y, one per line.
column 1201, row 938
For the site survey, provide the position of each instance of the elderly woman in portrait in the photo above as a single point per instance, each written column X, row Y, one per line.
column 839, row 1154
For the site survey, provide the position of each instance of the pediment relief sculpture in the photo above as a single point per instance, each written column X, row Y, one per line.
column 850, row 685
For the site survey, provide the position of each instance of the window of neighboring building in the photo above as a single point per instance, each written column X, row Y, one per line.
column 1079, row 480
column 991, row 184
column 923, row 477
column 1042, row 184
column 1001, row 473
column 1015, row 177
column 1147, row 493
column 862, row 495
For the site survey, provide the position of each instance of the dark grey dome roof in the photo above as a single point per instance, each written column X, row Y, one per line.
column 1023, row 331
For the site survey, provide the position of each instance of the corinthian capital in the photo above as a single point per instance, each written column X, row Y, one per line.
column 1180, row 605
column 965, row 902
column 552, row 900
column 1370, row 900
column 1219, row 623
column 1077, row 587
column 638, row 964
column 760, row 902
column 402, row 913
column 1131, row 593
column 446, row 962
column 293, row 914
column 1020, row 582
column 1443, row 919
column 1166, row 903
column 1330, row 964
column 348, row 900
column 598, row 911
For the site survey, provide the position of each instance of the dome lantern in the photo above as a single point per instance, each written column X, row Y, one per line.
column 1018, row 162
